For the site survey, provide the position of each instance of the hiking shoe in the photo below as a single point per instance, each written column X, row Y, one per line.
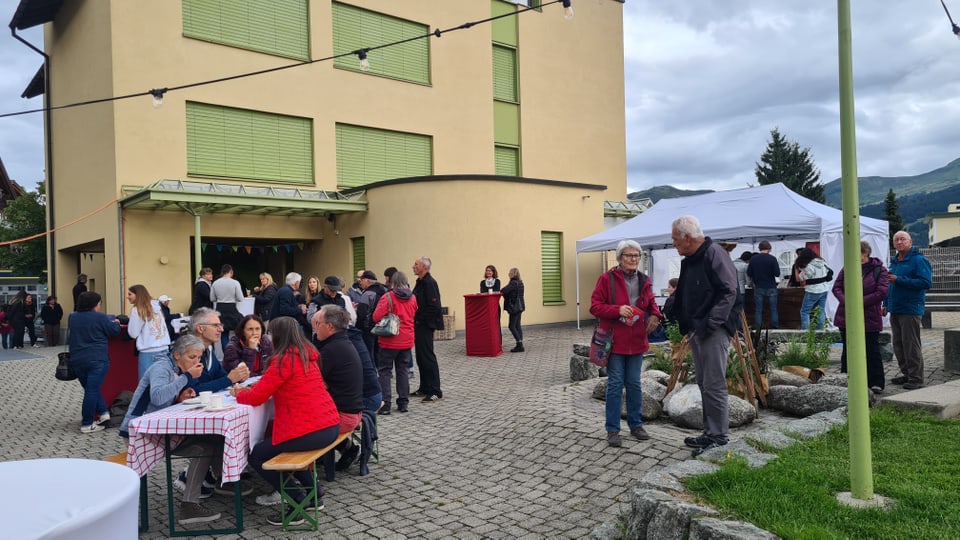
column 92, row 428
column 432, row 398
column 613, row 439
column 402, row 408
column 898, row 380
column 194, row 513
column 206, row 491
column 227, row 489
column 912, row 385
column 384, row 411
column 277, row 519
column 713, row 444
column 348, row 457
column 876, row 390
column 702, row 441
column 103, row 419
column 640, row 433
column 272, row 499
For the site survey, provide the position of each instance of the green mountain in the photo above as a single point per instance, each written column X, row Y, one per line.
column 666, row 192
column 873, row 189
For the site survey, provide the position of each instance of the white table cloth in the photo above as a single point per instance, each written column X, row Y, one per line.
column 76, row 499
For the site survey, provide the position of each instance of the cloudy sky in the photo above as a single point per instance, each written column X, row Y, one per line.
column 706, row 81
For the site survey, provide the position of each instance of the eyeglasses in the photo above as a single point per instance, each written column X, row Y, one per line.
column 630, row 256
column 218, row 325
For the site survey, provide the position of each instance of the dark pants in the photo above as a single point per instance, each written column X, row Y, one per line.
column 875, row 375
column 514, row 326
column 91, row 374
column 905, row 330
column 18, row 329
column 51, row 333
column 388, row 360
column 770, row 297
column 427, row 360
column 265, row 450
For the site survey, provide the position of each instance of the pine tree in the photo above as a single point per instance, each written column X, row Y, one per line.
column 784, row 161
column 891, row 213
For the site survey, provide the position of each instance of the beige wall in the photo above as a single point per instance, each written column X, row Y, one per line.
column 944, row 227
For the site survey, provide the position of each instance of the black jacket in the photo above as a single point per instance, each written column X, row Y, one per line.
column 51, row 314
column 263, row 301
column 513, row 297
column 342, row 372
column 429, row 313
column 201, row 296
column 706, row 296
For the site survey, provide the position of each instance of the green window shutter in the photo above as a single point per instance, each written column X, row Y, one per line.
column 246, row 144
column 366, row 155
column 505, row 74
column 551, row 266
column 278, row 27
column 503, row 30
column 355, row 28
column 507, row 160
column 359, row 253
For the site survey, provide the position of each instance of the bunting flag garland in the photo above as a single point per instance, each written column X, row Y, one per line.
column 249, row 249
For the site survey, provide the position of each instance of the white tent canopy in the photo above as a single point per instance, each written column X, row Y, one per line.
column 746, row 216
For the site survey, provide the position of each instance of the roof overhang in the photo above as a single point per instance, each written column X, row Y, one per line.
column 198, row 198
column 31, row 13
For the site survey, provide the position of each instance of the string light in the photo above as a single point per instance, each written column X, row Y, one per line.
column 158, row 93
column 953, row 25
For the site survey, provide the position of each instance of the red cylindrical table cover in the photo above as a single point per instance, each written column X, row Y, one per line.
column 483, row 324
column 123, row 373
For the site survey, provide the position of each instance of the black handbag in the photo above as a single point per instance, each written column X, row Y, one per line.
column 64, row 369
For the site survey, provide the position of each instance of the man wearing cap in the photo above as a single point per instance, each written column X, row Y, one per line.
column 330, row 294
column 167, row 316
column 370, row 293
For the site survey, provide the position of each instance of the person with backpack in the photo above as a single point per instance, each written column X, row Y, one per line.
column 815, row 275
column 876, row 284
column 621, row 301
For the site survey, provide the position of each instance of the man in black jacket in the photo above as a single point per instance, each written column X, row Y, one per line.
column 707, row 308
column 429, row 318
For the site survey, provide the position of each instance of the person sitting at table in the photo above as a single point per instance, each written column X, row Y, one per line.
column 205, row 324
column 305, row 415
column 166, row 382
column 89, row 331
column 342, row 371
column 249, row 345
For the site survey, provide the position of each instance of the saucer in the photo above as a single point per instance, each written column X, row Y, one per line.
column 223, row 407
column 192, row 401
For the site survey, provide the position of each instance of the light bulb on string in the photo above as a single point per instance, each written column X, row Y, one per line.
column 364, row 63
column 157, row 94
column 567, row 10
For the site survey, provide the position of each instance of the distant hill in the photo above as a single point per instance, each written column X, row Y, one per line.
column 666, row 192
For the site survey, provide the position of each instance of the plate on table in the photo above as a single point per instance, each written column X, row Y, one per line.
column 224, row 407
column 192, row 401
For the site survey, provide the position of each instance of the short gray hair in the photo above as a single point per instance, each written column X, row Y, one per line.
column 200, row 316
column 188, row 342
column 399, row 281
column 624, row 244
column 688, row 226
column 426, row 262
column 293, row 278
column 335, row 315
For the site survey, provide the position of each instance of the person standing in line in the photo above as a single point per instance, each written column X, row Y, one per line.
column 148, row 326
column 764, row 269
column 226, row 294
column 79, row 288
column 395, row 350
column 707, row 308
column 875, row 286
column 815, row 275
column 743, row 280
column 30, row 320
column 910, row 276
column 89, row 332
column 491, row 280
column 16, row 314
column 514, row 305
column 201, row 291
column 624, row 304
column 51, row 314
column 428, row 319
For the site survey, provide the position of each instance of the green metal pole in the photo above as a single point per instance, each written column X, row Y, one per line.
column 197, row 251
column 858, row 411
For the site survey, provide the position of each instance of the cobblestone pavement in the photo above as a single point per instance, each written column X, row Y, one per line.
column 515, row 450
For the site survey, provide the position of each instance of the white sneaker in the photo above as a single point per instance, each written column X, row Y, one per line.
column 92, row 428
column 269, row 500
column 104, row 418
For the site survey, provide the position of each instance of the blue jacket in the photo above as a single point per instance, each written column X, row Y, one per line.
column 285, row 304
column 89, row 331
column 158, row 389
column 214, row 377
column 907, row 295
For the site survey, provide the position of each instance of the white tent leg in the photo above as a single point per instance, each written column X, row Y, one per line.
column 578, row 289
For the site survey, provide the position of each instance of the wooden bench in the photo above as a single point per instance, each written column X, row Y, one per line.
column 121, row 459
column 289, row 462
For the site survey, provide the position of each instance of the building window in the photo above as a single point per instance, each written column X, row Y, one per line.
column 359, row 246
column 355, row 28
column 366, row 155
column 507, row 160
column 278, row 27
column 551, row 267
column 505, row 74
column 245, row 144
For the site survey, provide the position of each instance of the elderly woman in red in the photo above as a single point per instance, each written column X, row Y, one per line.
column 305, row 416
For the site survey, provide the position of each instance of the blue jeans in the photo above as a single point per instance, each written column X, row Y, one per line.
column 91, row 374
column 810, row 300
column 624, row 370
column 146, row 359
column 771, row 298
column 372, row 403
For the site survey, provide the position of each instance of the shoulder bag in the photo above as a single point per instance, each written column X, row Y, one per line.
column 64, row 369
column 389, row 325
column 602, row 339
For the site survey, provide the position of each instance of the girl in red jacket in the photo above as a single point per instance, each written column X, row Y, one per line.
column 305, row 416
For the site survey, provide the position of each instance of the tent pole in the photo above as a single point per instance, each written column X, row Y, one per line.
column 578, row 289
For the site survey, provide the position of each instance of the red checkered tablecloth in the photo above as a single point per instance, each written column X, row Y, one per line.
column 145, row 447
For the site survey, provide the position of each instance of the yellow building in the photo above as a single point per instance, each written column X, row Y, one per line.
column 944, row 225
column 496, row 143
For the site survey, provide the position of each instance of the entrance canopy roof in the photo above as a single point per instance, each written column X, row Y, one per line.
column 215, row 198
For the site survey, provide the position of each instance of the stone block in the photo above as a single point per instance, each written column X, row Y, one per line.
column 581, row 368
column 951, row 350
column 708, row 528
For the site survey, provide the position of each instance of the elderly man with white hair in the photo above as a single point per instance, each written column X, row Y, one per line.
column 285, row 304
column 707, row 307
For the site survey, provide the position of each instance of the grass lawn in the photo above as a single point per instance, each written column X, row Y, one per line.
column 916, row 462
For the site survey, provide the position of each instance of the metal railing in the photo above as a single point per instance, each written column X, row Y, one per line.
column 945, row 262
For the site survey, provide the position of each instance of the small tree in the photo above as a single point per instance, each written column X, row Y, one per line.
column 25, row 216
column 784, row 161
column 891, row 213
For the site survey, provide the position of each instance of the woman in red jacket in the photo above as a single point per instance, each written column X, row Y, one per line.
column 395, row 350
column 305, row 416
column 623, row 301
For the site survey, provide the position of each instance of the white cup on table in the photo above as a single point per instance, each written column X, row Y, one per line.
column 216, row 401
column 205, row 397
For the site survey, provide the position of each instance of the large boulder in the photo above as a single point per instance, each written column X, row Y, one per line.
column 657, row 375
column 581, row 368
column 651, row 407
column 777, row 377
column 685, row 407
column 807, row 400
